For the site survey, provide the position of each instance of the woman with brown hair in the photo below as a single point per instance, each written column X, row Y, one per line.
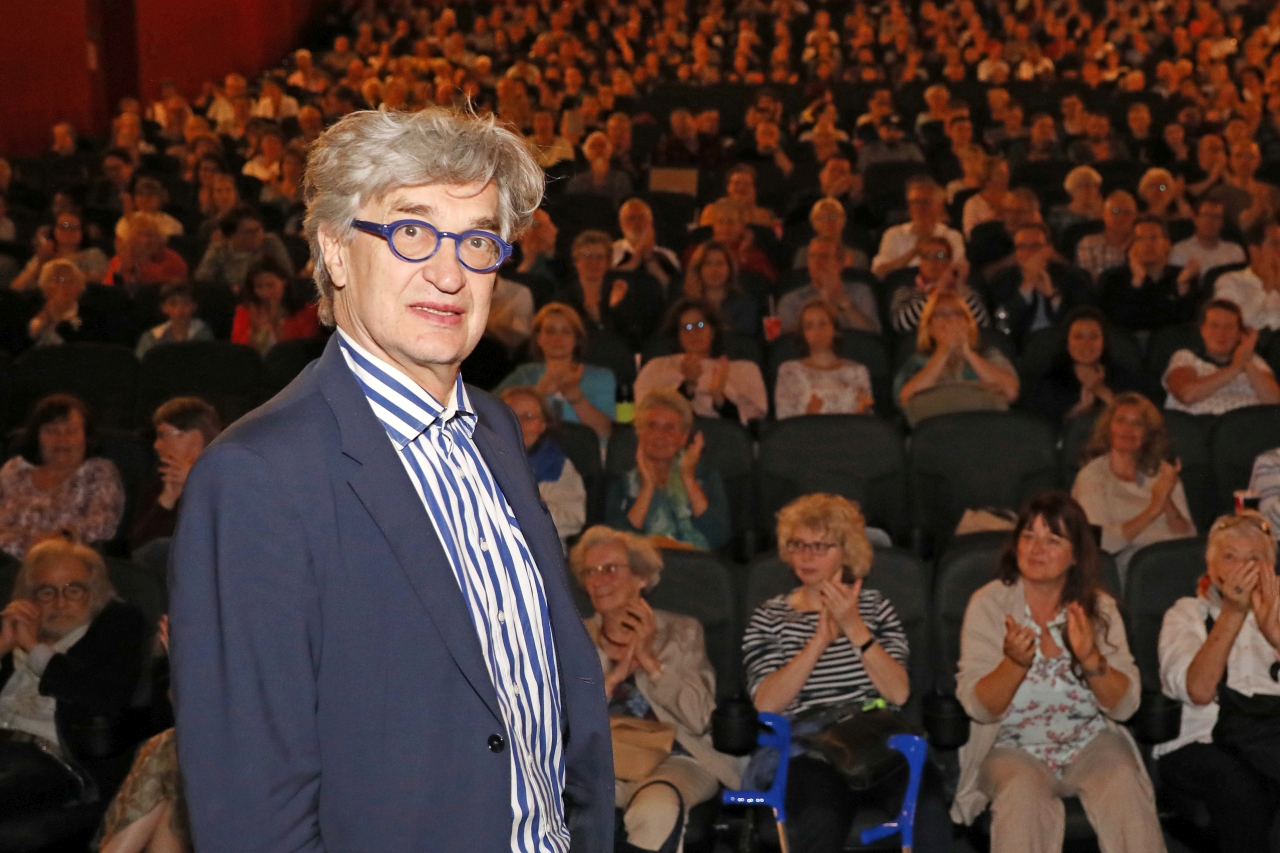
column 713, row 278
column 577, row 392
column 820, row 381
column 1046, row 677
column 1129, row 485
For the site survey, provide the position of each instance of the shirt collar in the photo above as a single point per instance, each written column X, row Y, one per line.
column 405, row 410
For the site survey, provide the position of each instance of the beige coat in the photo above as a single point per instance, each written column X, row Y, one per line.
column 981, row 649
column 685, row 693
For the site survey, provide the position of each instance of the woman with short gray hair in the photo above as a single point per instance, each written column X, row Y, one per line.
column 369, row 154
column 658, row 681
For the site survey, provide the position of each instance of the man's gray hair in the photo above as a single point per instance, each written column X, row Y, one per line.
column 101, row 591
column 368, row 154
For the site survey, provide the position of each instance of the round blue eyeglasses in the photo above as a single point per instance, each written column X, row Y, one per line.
column 414, row 241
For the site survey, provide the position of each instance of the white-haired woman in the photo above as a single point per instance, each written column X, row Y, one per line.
column 656, row 668
column 1084, row 185
column 601, row 179
column 1219, row 656
column 70, row 655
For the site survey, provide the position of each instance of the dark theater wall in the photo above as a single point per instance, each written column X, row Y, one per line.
column 53, row 66
column 198, row 40
column 45, row 72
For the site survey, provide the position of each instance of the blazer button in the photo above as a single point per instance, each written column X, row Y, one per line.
column 496, row 743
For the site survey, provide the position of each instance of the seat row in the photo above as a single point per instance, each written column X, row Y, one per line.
column 917, row 488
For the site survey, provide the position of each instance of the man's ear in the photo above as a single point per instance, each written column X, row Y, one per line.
column 334, row 252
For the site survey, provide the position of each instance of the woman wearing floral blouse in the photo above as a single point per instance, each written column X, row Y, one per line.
column 50, row 485
column 1047, row 677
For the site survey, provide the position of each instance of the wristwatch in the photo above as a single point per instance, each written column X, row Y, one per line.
column 1095, row 673
column 862, row 649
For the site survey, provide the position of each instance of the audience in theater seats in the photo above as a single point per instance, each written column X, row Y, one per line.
column 1218, row 653
column 831, row 646
column 1047, row 678
column 71, row 657
column 701, row 372
column 728, row 228
column 985, row 205
column 951, row 370
column 559, row 483
column 671, row 494
column 1129, row 485
column 1036, row 291
column 184, row 426
column 1205, row 249
column 65, row 239
column 601, row 179
column 627, row 304
column 269, row 311
column 1256, row 288
column 901, row 244
column 658, row 676
column 828, row 218
column 1083, row 377
column 577, row 392
column 1147, row 292
column 1097, row 253
column 149, row 813
column 178, row 304
column 244, row 242
column 55, row 482
column 637, row 248
column 853, row 301
column 510, row 314
column 911, row 287
column 1265, row 483
column 142, row 258
column 820, row 381
column 60, row 320
column 712, row 277
column 1226, row 374
column 1083, row 185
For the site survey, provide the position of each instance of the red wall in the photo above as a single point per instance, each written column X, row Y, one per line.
column 44, row 55
column 45, row 76
column 197, row 40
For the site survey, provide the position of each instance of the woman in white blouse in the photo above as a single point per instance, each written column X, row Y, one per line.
column 1129, row 488
column 1226, row 638
column 821, row 382
column 714, row 385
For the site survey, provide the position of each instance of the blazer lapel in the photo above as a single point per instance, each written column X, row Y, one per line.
column 384, row 488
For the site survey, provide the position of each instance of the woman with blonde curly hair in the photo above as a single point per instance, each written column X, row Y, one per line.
column 656, row 668
column 1129, row 485
column 830, row 644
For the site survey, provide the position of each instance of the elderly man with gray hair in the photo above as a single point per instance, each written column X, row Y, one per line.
column 71, row 655
column 373, row 640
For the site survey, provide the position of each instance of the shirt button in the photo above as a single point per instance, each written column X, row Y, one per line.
column 502, row 617
column 496, row 743
column 484, row 544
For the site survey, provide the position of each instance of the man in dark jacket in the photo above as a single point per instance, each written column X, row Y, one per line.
column 72, row 656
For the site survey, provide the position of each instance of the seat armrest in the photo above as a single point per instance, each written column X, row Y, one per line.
column 946, row 721
column 1158, row 718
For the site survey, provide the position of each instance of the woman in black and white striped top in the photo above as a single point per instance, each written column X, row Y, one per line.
column 831, row 643
column 827, row 642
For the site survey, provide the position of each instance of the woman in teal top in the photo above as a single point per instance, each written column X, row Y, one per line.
column 579, row 393
column 671, row 493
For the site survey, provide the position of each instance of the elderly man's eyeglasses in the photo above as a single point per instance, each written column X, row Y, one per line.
column 817, row 549
column 693, row 327
column 72, row 592
column 606, row 569
column 414, row 241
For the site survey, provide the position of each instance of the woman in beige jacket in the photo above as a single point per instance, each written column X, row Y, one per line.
column 656, row 668
column 1046, row 677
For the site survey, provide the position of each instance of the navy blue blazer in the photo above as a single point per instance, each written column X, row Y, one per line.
column 329, row 685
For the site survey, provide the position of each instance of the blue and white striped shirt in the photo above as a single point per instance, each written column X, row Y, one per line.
column 499, row 581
